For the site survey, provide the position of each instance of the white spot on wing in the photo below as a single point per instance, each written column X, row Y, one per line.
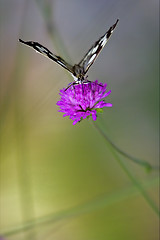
column 103, row 41
column 94, row 49
column 62, row 64
column 92, row 58
column 42, row 49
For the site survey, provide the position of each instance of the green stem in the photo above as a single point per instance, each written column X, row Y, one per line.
column 134, row 181
column 141, row 162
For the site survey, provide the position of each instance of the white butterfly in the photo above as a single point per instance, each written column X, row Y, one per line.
column 79, row 70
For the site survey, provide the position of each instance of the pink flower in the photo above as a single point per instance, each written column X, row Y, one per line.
column 83, row 100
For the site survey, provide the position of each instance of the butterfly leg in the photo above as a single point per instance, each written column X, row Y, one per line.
column 71, row 84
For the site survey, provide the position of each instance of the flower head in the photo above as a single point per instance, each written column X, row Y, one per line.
column 83, row 100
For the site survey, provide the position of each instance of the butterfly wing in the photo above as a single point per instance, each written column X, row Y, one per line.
column 43, row 50
column 94, row 51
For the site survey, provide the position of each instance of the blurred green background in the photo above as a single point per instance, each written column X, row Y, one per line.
column 60, row 181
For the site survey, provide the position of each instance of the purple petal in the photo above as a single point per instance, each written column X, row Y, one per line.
column 94, row 116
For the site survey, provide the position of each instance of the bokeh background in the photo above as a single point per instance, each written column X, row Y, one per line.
column 60, row 181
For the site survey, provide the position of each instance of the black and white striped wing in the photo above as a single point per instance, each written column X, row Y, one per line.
column 94, row 51
column 43, row 50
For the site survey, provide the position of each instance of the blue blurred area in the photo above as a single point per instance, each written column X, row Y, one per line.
column 50, row 167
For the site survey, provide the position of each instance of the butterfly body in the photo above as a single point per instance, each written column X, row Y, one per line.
column 78, row 71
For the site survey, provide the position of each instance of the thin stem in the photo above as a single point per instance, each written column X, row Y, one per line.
column 134, row 181
column 141, row 162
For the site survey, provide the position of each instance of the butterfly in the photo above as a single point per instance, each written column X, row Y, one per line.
column 78, row 71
